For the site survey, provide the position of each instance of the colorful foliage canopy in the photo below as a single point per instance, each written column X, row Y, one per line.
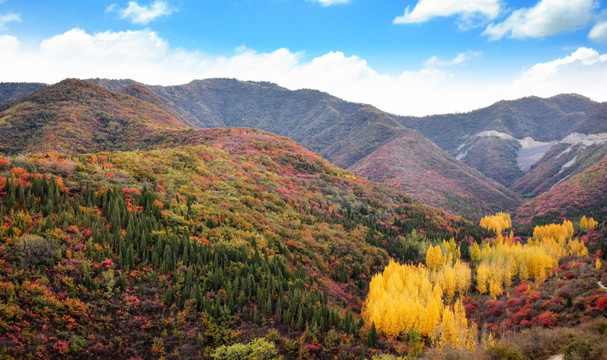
column 405, row 297
column 497, row 223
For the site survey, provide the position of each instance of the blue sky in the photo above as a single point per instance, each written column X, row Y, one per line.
column 407, row 57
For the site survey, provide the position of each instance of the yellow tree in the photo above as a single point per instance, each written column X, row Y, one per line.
column 583, row 223
column 449, row 333
column 592, row 223
column 463, row 276
column 482, row 277
column 448, row 281
column 475, row 253
column 434, row 257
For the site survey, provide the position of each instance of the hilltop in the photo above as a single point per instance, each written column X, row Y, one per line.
column 79, row 116
column 11, row 91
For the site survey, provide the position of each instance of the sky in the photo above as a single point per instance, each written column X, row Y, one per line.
column 408, row 57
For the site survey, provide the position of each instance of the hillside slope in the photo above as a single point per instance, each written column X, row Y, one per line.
column 569, row 156
column 11, row 91
column 584, row 193
column 528, row 145
column 173, row 252
column 405, row 163
column 342, row 132
column 505, row 139
column 78, row 116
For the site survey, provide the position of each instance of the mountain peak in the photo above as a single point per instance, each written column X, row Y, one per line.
column 70, row 90
column 79, row 116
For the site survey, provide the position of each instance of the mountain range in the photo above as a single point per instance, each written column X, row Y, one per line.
column 129, row 231
column 487, row 160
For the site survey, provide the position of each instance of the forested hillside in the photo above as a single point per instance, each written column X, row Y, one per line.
column 176, row 251
column 126, row 233
column 584, row 193
column 77, row 116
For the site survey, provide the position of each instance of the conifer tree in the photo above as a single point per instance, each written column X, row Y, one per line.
column 372, row 337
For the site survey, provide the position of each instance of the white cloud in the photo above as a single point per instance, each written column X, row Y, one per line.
column 461, row 58
column 599, row 33
column 10, row 17
column 8, row 44
column 146, row 57
column 547, row 17
column 468, row 11
column 583, row 71
column 332, row 2
column 143, row 15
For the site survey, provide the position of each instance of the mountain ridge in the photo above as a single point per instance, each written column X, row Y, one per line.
column 76, row 115
column 341, row 131
column 506, row 141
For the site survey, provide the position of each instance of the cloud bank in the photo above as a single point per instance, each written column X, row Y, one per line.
column 146, row 57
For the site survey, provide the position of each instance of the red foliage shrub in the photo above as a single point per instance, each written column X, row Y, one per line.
column 471, row 308
column 131, row 191
column 313, row 348
column 132, row 300
column 569, row 275
column 20, row 174
column 533, row 296
column 591, row 301
column 521, row 289
column 107, row 263
column 602, row 303
column 547, row 318
column 495, row 309
column 4, row 161
column 514, row 304
column 525, row 313
column 61, row 347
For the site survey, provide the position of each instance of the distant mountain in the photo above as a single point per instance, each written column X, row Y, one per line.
column 10, row 91
column 539, row 118
column 528, row 145
column 78, row 116
column 504, row 140
column 345, row 133
column 564, row 159
column 412, row 161
column 582, row 194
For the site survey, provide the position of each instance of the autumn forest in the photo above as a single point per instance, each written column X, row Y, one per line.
column 158, row 239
